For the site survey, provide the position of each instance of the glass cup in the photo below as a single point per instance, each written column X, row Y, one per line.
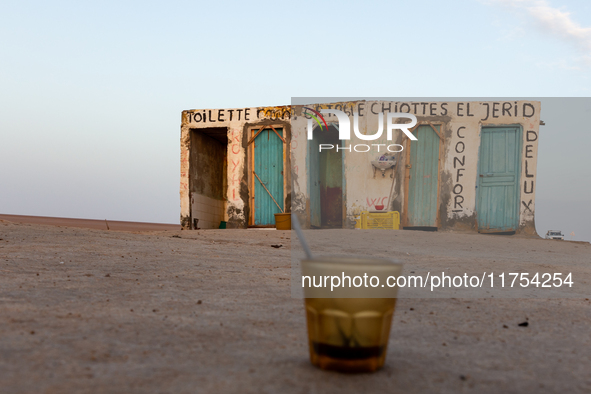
column 349, row 308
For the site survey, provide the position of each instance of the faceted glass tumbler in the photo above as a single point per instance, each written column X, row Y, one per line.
column 348, row 329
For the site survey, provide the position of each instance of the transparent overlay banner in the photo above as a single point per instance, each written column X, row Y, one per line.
column 448, row 188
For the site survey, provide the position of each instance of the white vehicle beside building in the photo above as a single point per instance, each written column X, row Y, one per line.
column 554, row 234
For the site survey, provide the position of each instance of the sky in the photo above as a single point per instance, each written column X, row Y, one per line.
column 91, row 93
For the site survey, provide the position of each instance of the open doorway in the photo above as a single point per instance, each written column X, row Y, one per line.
column 325, row 179
column 208, row 177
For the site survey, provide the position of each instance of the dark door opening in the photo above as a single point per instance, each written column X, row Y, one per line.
column 208, row 176
column 326, row 179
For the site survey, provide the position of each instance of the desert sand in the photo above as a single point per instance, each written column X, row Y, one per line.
column 112, row 225
column 211, row 311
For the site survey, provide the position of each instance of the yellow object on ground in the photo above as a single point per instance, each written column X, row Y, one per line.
column 283, row 221
column 380, row 220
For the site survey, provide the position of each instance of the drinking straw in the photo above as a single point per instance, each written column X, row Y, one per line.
column 300, row 234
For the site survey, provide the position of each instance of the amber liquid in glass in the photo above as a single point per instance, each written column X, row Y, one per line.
column 349, row 334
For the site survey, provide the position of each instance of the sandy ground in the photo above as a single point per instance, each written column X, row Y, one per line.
column 112, row 225
column 211, row 311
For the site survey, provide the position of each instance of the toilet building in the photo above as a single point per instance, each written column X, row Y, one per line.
column 444, row 165
column 235, row 166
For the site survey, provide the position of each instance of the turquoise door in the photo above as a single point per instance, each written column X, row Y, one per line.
column 498, row 179
column 314, row 180
column 268, row 168
column 424, row 178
